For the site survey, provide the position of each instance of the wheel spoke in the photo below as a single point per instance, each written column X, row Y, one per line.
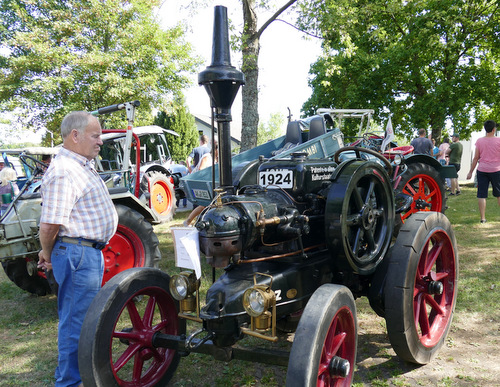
column 422, row 317
column 126, row 356
column 149, row 312
column 135, row 318
column 138, row 366
column 431, row 301
column 358, row 200
column 431, row 258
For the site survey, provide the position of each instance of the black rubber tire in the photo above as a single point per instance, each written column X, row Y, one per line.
column 109, row 316
column 329, row 319
column 135, row 236
column 134, row 244
column 425, row 255
column 161, row 194
column 359, row 216
column 17, row 272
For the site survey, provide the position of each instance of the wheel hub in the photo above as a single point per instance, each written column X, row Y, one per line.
column 367, row 216
column 436, row 287
column 422, row 204
column 339, row 367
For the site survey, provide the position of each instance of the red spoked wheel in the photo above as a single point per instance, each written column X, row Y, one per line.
column 134, row 244
column 117, row 334
column 421, row 287
column 325, row 343
column 424, row 184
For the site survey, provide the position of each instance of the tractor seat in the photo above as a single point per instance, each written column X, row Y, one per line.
column 293, row 137
column 317, row 127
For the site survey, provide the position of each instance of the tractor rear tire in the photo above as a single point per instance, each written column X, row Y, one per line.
column 324, row 348
column 421, row 286
column 17, row 272
column 116, row 343
column 134, row 245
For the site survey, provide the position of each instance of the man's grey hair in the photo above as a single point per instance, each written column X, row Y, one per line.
column 78, row 120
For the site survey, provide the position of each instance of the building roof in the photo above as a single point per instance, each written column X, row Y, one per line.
column 235, row 126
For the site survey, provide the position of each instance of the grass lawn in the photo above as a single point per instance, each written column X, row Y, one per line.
column 28, row 324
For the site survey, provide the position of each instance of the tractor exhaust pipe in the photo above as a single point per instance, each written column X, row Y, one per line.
column 222, row 82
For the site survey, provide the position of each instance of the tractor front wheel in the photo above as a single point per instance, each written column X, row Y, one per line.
column 161, row 194
column 116, row 341
column 421, row 286
column 324, row 348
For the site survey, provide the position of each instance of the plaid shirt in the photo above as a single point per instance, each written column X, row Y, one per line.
column 75, row 197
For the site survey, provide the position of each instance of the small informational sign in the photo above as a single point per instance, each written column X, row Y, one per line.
column 187, row 248
column 276, row 178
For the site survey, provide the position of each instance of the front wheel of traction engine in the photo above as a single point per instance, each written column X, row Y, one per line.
column 117, row 333
column 324, row 348
column 421, row 286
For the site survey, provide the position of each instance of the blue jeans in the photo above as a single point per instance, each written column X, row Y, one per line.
column 78, row 271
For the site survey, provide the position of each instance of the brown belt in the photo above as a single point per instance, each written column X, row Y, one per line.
column 83, row 242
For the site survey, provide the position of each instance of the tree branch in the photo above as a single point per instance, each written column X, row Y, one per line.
column 273, row 18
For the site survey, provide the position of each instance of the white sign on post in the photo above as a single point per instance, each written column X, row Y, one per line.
column 187, row 248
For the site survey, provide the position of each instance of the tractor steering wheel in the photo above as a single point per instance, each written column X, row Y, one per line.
column 358, row 150
column 38, row 163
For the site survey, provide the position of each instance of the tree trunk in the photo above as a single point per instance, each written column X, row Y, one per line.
column 250, row 92
column 250, row 68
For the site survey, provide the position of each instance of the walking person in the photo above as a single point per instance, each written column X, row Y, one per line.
column 487, row 160
column 454, row 153
column 77, row 219
column 421, row 144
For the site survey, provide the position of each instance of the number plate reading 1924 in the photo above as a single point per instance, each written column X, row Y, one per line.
column 281, row 178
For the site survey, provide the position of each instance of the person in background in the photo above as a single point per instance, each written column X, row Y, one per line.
column 435, row 149
column 454, row 153
column 206, row 161
column 443, row 159
column 421, row 144
column 2, row 165
column 196, row 154
column 8, row 186
column 487, row 160
column 78, row 218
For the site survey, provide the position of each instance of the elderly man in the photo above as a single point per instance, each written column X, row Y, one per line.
column 78, row 218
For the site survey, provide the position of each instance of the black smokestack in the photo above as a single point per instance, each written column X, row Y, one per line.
column 222, row 82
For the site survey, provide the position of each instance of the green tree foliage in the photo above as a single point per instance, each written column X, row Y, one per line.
column 64, row 55
column 182, row 122
column 274, row 128
column 427, row 61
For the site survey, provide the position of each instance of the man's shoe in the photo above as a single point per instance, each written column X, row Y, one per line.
column 483, row 220
column 458, row 192
column 451, row 194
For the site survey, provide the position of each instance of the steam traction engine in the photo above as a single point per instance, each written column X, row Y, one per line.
column 296, row 250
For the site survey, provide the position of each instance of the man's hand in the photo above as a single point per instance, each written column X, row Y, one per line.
column 44, row 261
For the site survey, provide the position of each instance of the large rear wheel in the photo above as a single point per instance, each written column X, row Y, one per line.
column 116, row 341
column 134, row 244
column 421, row 286
column 324, row 348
